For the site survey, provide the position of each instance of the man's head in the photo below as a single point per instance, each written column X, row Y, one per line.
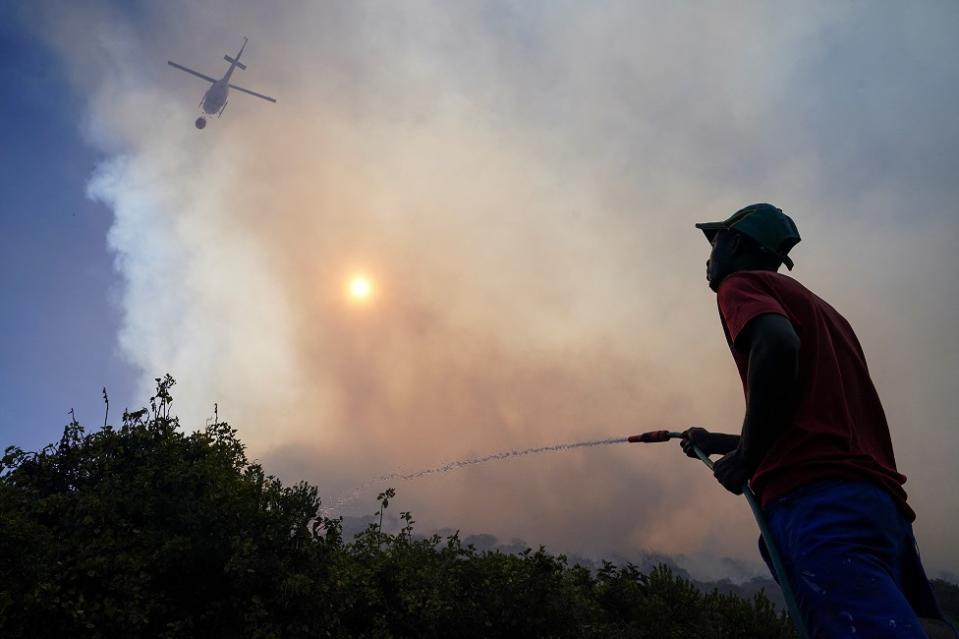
column 757, row 237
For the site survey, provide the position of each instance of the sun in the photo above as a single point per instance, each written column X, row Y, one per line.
column 359, row 288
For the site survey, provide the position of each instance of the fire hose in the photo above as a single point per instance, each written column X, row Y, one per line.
column 781, row 576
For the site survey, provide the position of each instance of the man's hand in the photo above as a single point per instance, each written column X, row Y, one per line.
column 698, row 437
column 733, row 471
column 709, row 443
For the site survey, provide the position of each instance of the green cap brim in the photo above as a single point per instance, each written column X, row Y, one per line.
column 709, row 229
column 712, row 226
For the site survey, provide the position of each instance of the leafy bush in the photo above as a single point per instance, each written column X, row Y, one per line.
column 145, row 531
column 947, row 595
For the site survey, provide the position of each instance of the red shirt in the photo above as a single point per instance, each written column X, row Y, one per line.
column 839, row 429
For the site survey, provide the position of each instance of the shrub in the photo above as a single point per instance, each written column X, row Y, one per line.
column 145, row 531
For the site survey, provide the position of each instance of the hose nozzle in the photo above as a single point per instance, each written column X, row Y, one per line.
column 650, row 437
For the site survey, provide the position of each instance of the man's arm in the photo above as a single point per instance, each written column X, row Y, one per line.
column 772, row 379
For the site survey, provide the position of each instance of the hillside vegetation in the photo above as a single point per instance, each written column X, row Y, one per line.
column 146, row 531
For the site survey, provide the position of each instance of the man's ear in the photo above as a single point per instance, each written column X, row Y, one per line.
column 735, row 243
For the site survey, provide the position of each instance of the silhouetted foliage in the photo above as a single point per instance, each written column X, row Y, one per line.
column 145, row 531
column 947, row 594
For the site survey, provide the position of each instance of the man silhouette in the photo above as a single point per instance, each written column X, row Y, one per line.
column 814, row 445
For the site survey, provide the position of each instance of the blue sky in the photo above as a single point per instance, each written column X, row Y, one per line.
column 58, row 286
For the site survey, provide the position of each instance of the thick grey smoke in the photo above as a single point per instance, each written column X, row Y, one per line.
column 520, row 181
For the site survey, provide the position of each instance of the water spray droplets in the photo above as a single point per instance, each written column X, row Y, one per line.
column 338, row 503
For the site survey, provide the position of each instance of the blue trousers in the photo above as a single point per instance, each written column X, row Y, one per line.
column 852, row 561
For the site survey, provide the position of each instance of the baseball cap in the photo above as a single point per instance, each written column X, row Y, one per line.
column 768, row 225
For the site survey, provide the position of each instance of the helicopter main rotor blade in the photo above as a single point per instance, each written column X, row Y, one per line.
column 259, row 95
column 190, row 71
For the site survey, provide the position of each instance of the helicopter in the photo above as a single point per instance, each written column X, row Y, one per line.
column 215, row 99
